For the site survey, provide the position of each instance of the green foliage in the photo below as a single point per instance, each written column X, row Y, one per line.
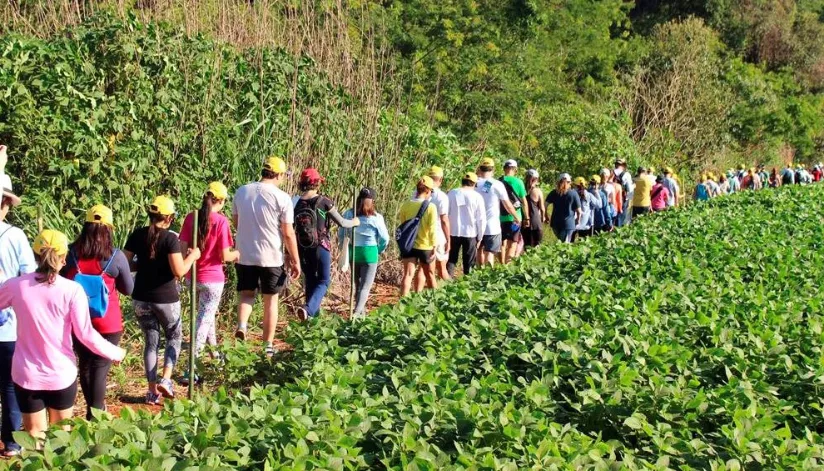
column 692, row 343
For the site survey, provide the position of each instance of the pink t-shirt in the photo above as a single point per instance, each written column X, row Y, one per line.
column 660, row 195
column 210, row 265
column 47, row 315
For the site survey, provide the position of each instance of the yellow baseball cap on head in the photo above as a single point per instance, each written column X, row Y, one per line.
column 163, row 206
column 51, row 239
column 471, row 176
column 427, row 182
column 275, row 164
column 218, row 190
column 596, row 179
column 100, row 214
column 580, row 181
column 488, row 162
column 436, row 172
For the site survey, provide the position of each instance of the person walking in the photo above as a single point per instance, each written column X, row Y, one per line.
column 602, row 221
column 156, row 299
column 659, row 195
column 589, row 205
column 702, row 190
column 313, row 213
column 16, row 259
column 566, row 209
column 422, row 255
column 775, row 178
column 511, row 231
column 264, row 216
column 467, row 222
column 371, row 238
column 642, row 196
column 495, row 197
column 50, row 310
column 214, row 239
column 533, row 231
column 95, row 262
column 672, row 187
column 442, row 232
column 627, row 189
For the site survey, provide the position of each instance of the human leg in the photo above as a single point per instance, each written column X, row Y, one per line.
column 208, row 301
column 366, row 277
column 323, row 278
column 455, row 247
column 409, row 266
column 168, row 317
column 12, row 420
column 151, row 338
column 96, row 372
column 470, row 254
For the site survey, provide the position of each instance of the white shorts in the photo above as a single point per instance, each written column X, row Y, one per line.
column 441, row 254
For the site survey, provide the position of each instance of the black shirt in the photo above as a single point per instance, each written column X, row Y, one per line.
column 564, row 209
column 154, row 282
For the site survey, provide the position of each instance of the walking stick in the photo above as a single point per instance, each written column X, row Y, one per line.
column 193, row 316
column 352, row 260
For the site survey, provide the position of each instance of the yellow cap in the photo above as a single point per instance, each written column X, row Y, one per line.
column 669, row 171
column 580, row 181
column 51, row 239
column 488, row 162
column 163, row 206
column 275, row 164
column 427, row 182
column 651, row 170
column 436, row 172
column 596, row 179
column 218, row 190
column 741, row 167
column 100, row 214
column 471, row 176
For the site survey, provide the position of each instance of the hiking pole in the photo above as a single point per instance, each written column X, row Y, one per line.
column 193, row 316
column 352, row 260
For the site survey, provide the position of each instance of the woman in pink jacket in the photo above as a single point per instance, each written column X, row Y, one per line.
column 49, row 309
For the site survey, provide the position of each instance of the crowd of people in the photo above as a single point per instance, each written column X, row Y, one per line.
column 60, row 299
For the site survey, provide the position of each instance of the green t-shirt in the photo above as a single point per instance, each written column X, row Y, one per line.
column 520, row 191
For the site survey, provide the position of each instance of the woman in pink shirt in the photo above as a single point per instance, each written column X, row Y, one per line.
column 49, row 309
column 659, row 194
column 215, row 244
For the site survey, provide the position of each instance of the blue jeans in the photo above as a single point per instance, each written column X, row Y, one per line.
column 316, row 264
column 364, row 278
column 12, row 419
column 564, row 235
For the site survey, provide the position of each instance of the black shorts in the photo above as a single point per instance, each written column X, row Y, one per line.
column 269, row 280
column 424, row 257
column 532, row 237
column 509, row 231
column 31, row 402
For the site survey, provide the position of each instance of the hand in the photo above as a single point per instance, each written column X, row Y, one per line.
column 195, row 253
column 4, row 157
column 294, row 268
column 121, row 354
column 517, row 218
column 355, row 222
column 344, row 267
column 526, row 222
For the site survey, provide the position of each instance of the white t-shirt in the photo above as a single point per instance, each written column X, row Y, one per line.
column 260, row 209
column 467, row 213
column 492, row 191
column 16, row 258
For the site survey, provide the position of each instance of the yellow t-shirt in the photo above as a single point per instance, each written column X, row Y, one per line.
column 643, row 192
column 426, row 233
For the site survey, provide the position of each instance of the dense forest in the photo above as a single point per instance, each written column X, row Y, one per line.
column 164, row 94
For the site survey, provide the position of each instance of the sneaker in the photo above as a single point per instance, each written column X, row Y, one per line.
column 12, row 449
column 185, row 380
column 152, row 399
column 240, row 333
column 303, row 314
column 270, row 351
column 166, row 388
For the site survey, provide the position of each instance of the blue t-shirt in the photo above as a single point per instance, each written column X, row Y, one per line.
column 564, row 208
column 16, row 258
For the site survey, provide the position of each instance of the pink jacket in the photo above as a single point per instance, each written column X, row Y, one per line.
column 47, row 315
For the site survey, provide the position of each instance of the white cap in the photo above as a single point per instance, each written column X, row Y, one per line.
column 532, row 173
column 8, row 191
column 510, row 163
column 565, row 176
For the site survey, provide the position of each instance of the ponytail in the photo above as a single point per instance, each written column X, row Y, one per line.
column 154, row 233
column 204, row 220
column 49, row 265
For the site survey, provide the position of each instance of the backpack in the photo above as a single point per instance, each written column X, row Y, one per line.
column 407, row 232
column 95, row 288
column 310, row 229
column 513, row 198
column 701, row 192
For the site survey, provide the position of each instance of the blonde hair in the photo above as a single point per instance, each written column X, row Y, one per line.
column 49, row 264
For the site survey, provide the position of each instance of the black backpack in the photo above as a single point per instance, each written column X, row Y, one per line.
column 310, row 227
column 513, row 198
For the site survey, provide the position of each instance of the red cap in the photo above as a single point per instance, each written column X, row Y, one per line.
column 311, row 176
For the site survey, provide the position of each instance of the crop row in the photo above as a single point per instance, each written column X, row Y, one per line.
column 690, row 340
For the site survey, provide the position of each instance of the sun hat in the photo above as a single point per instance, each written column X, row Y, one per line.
column 51, row 239
column 100, row 214
column 436, row 172
column 564, row 177
column 275, row 164
column 311, row 176
column 8, row 190
column 471, row 176
column 605, row 171
column 163, row 206
column 511, row 163
column 596, row 179
column 488, row 162
column 580, row 181
column 532, row 173
column 218, row 190
column 620, row 162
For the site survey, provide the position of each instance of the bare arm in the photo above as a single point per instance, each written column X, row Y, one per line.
column 525, row 209
column 510, row 208
column 541, row 204
column 130, row 259
column 290, row 243
column 180, row 266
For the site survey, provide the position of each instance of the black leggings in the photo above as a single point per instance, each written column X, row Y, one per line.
column 94, row 371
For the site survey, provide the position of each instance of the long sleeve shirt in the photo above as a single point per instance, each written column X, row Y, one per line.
column 47, row 316
column 467, row 213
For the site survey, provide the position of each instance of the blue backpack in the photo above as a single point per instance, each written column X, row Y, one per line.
column 95, row 288
column 406, row 233
column 701, row 192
